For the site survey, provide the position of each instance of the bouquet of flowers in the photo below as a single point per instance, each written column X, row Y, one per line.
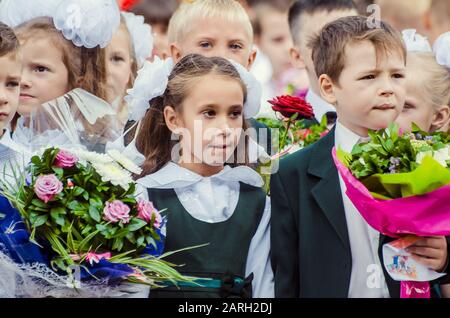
column 401, row 184
column 82, row 209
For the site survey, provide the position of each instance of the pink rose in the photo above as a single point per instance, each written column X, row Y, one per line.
column 146, row 210
column 116, row 211
column 65, row 159
column 47, row 187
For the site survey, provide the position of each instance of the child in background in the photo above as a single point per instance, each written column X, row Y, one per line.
column 428, row 87
column 404, row 14
column 436, row 20
column 130, row 46
column 205, row 183
column 157, row 13
column 271, row 29
column 306, row 19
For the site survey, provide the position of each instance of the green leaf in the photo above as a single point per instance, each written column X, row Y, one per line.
column 136, row 224
column 77, row 191
column 140, row 241
column 39, row 203
column 94, row 213
column 40, row 220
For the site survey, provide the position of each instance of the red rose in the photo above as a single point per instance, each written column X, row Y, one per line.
column 126, row 5
column 290, row 105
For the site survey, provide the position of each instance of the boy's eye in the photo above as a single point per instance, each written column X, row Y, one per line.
column 235, row 46
column 399, row 75
column 408, row 107
column 205, row 45
column 368, row 77
column 41, row 69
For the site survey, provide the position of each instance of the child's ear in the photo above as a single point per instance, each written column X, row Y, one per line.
column 440, row 118
column 175, row 53
column 297, row 58
column 326, row 87
column 251, row 59
column 171, row 119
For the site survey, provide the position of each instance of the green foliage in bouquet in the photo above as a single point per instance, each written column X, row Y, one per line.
column 391, row 165
column 82, row 213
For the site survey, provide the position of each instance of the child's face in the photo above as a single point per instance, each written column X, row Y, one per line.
column 161, row 42
column 10, row 73
column 216, row 38
column 369, row 95
column 310, row 27
column 418, row 107
column 118, row 64
column 211, row 120
column 275, row 41
column 45, row 76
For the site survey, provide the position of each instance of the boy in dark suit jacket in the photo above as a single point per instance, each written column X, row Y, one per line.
column 321, row 245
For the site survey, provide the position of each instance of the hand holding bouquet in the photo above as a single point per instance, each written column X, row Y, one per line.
column 401, row 184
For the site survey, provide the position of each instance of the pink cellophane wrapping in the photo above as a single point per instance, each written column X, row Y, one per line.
column 424, row 215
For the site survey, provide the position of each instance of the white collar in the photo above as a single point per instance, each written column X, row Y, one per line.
column 319, row 105
column 345, row 138
column 172, row 176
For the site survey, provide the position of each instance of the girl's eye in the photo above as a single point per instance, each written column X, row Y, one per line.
column 41, row 69
column 236, row 114
column 117, row 59
column 12, row 84
column 209, row 113
column 278, row 39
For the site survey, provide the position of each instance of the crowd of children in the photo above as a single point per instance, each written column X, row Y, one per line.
column 186, row 79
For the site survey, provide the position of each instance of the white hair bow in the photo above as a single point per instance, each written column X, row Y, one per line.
column 86, row 23
column 415, row 42
column 442, row 50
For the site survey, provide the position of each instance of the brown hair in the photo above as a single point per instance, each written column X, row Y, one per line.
column 154, row 139
column 328, row 48
column 86, row 67
column 156, row 11
column 8, row 40
column 260, row 8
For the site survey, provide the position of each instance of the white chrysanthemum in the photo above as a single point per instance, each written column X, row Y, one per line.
column 441, row 156
column 124, row 161
column 112, row 172
column 92, row 157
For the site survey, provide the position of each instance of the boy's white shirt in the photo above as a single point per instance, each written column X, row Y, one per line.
column 214, row 199
column 367, row 270
column 319, row 105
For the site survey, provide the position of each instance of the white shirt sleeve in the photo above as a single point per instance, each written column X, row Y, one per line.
column 258, row 260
